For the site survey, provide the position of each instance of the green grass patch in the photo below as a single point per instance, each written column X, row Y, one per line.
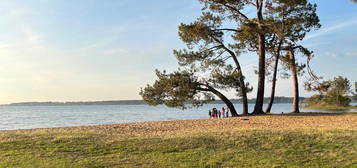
column 234, row 149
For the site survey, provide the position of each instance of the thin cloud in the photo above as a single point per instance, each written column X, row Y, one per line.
column 351, row 54
column 333, row 28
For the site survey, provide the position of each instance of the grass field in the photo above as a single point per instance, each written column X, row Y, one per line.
column 330, row 107
column 303, row 140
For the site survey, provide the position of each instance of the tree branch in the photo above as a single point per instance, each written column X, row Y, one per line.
column 227, row 29
column 237, row 11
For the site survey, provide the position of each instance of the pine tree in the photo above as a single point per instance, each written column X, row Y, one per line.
column 290, row 22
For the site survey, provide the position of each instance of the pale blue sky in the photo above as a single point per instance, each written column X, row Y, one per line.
column 65, row 50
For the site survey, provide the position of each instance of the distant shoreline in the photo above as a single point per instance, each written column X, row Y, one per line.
column 278, row 100
column 13, row 105
column 283, row 100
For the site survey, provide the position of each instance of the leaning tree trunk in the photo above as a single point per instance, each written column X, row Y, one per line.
column 273, row 85
column 225, row 100
column 243, row 89
column 258, row 109
column 295, row 82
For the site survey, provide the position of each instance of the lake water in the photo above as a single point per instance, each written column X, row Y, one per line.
column 28, row 117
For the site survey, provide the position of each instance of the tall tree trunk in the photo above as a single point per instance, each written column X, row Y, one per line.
column 258, row 109
column 273, row 85
column 225, row 100
column 295, row 82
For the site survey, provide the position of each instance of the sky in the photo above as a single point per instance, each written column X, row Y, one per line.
column 88, row 50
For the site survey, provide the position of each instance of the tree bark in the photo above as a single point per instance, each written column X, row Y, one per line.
column 258, row 109
column 295, row 82
column 224, row 99
column 244, row 98
column 273, row 85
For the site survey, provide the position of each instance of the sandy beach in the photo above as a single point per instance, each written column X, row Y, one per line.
column 304, row 121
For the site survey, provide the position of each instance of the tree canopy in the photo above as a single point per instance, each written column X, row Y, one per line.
column 182, row 89
column 290, row 22
column 216, row 40
column 176, row 90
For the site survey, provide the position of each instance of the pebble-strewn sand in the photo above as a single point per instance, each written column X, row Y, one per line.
column 266, row 122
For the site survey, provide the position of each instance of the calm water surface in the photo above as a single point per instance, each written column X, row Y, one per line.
column 28, row 117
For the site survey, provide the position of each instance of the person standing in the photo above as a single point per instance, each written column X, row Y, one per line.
column 210, row 113
column 223, row 112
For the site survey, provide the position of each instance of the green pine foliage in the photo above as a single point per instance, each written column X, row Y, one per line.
column 177, row 89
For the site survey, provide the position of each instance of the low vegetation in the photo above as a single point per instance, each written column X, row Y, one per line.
column 333, row 94
column 315, row 140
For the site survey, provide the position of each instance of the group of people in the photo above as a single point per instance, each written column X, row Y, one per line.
column 215, row 113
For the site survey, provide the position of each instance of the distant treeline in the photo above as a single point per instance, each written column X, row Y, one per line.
column 138, row 102
column 135, row 102
column 84, row 103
